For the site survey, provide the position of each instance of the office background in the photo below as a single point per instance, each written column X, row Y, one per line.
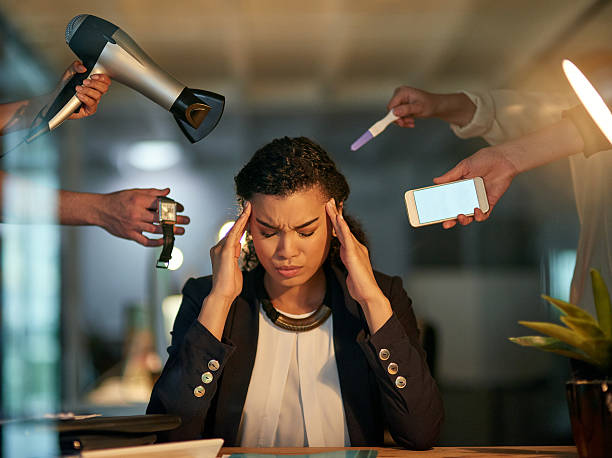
column 84, row 314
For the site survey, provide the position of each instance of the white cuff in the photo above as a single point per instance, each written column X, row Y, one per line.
column 483, row 117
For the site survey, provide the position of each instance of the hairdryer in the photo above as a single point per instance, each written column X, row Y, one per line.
column 105, row 48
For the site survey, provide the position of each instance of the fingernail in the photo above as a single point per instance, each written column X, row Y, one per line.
column 86, row 83
column 95, row 77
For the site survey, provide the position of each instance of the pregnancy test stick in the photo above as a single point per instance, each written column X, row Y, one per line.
column 373, row 131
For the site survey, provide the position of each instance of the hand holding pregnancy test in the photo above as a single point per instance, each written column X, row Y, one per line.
column 373, row 131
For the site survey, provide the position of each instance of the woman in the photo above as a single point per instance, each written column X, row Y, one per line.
column 310, row 347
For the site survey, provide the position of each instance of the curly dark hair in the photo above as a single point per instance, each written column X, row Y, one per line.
column 288, row 165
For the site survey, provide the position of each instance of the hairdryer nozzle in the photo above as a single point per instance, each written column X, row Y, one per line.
column 197, row 112
column 73, row 25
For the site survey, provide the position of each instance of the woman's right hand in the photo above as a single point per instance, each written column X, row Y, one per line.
column 227, row 276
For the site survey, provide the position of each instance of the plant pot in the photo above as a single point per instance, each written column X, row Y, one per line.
column 590, row 407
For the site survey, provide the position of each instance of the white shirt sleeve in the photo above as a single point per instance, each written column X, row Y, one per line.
column 503, row 115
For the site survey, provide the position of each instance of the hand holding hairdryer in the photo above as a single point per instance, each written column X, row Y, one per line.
column 105, row 48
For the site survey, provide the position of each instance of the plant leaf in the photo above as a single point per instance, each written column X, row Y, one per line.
column 569, row 309
column 586, row 328
column 602, row 302
column 600, row 350
column 554, row 330
column 552, row 345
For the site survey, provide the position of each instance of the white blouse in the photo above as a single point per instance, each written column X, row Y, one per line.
column 294, row 397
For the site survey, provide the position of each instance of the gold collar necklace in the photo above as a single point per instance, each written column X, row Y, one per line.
column 294, row 324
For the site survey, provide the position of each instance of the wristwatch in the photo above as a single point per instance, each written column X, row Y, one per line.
column 166, row 216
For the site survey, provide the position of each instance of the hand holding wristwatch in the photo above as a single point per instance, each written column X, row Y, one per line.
column 166, row 216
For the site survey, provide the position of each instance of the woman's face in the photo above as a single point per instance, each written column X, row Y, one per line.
column 291, row 235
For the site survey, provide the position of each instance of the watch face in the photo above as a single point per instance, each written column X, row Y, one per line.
column 167, row 211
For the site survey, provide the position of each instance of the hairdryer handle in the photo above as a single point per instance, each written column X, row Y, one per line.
column 64, row 104
column 67, row 92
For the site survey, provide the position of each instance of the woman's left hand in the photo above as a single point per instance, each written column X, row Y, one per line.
column 360, row 281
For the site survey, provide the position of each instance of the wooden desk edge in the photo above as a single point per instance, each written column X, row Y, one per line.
column 394, row 452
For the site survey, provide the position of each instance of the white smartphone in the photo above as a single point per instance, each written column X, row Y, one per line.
column 435, row 204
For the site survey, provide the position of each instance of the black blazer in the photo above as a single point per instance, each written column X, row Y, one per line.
column 370, row 394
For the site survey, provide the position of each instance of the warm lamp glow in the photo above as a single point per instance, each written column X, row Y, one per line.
column 590, row 98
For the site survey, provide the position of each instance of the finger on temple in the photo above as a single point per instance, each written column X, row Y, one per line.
column 345, row 231
column 240, row 225
column 332, row 213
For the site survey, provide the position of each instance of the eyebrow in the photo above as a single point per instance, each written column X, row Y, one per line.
column 301, row 226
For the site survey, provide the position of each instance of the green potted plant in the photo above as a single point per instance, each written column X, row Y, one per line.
column 588, row 342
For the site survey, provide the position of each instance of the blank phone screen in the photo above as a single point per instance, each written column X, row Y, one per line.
column 446, row 201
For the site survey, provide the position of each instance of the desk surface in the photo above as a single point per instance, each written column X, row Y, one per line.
column 446, row 452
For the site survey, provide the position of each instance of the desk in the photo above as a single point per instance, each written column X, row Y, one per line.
column 436, row 452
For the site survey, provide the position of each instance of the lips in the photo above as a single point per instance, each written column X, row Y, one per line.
column 288, row 271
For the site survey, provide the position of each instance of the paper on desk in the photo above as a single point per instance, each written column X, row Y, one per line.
column 51, row 416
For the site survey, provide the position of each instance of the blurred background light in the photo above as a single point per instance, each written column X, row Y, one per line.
column 153, row 155
column 225, row 228
column 177, row 259
column 170, row 307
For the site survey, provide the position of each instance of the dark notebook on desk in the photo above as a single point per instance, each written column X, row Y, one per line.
column 110, row 432
column 76, row 435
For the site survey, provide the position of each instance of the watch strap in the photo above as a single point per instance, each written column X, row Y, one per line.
column 166, row 254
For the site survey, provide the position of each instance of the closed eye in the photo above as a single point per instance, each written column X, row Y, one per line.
column 306, row 234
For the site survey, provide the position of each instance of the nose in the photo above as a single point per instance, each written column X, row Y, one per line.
column 287, row 246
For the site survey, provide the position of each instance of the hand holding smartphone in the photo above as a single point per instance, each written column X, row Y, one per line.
column 443, row 202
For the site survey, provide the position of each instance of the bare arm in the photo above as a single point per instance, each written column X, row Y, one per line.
column 20, row 115
column 126, row 214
